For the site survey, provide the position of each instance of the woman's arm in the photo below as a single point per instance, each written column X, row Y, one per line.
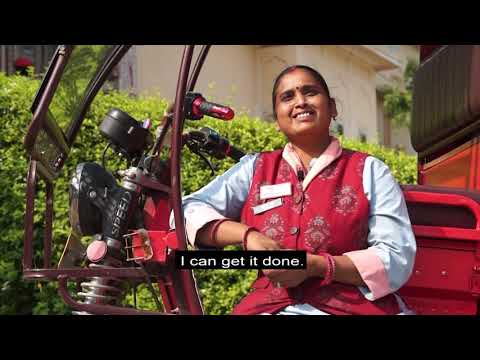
column 387, row 263
column 223, row 198
column 232, row 233
column 345, row 272
column 220, row 199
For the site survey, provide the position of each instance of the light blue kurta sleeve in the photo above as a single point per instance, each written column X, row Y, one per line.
column 227, row 193
column 390, row 230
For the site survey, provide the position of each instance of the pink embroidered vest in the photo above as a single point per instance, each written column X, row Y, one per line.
column 330, row 215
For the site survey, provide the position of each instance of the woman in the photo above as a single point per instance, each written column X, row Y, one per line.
column 343, row 207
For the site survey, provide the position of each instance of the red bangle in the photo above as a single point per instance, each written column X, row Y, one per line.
column 334, row 267
column 330, row 273
column 244, row 241
column 214, row 229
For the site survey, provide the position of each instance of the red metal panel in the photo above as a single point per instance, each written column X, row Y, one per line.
column 440, row 306
column 444, row 269
column 446, row 274
column 440, row 232
column 157, row 212
column 443, row 281
column 475, row 165
column 454, row 169
column 445, row 199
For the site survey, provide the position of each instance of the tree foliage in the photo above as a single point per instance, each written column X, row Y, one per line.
column 398, row 98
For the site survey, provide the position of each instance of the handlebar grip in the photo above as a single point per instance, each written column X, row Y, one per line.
column 196, row 107
column 216, row 110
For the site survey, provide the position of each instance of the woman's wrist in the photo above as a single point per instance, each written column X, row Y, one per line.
column 316, row 265
column 248, row 231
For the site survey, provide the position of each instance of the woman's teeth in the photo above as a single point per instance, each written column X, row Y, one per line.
column 303, row 115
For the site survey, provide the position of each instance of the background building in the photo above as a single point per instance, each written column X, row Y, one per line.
column 242, row 76
column 40, row 56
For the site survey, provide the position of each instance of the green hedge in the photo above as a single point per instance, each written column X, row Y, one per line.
column 220, row 289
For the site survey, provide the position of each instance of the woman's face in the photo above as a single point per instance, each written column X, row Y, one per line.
column 303, row 106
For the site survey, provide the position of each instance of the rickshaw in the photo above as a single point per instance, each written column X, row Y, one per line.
column 126, row 218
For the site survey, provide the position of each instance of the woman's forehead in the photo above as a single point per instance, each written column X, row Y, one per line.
column 295, row 79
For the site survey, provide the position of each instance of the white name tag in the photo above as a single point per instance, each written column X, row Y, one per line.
column 267, row 206
column 275, row 191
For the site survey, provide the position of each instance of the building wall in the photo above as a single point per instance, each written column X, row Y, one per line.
column 352, row 86
column 242, row 76
column 271, row 60
column 402, row 53
column 228, row 75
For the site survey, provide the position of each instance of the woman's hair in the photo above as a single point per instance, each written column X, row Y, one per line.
column 318, row 77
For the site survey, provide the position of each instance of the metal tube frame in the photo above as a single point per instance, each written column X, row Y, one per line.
column 185, row 288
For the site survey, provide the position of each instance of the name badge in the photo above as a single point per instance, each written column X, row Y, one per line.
column 267, row 206
column 275, row 191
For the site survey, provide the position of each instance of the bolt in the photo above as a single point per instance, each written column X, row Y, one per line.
column 444, row 273
column 92, row 194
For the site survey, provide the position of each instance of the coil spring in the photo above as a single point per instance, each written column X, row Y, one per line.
column 100, row 290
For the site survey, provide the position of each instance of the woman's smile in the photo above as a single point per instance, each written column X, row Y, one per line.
column 304, row 116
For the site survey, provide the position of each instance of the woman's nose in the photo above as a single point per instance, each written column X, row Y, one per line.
column 300, row 99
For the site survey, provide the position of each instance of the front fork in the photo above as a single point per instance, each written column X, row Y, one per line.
column 151, row 246
column 106, row 250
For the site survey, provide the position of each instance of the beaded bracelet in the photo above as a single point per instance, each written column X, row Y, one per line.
column 330, row 273
column 214, row 229
column 244, row 241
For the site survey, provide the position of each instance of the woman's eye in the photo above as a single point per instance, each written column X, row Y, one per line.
column 286, row 97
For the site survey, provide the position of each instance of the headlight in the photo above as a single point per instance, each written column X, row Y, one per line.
column 88, row 192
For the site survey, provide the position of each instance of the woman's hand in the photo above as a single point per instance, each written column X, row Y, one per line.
column 292, row 278
column 258, row 241
column 345, row 272
column 286, row 278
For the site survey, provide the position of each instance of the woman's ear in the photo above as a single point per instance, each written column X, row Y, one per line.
column 333, row 108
